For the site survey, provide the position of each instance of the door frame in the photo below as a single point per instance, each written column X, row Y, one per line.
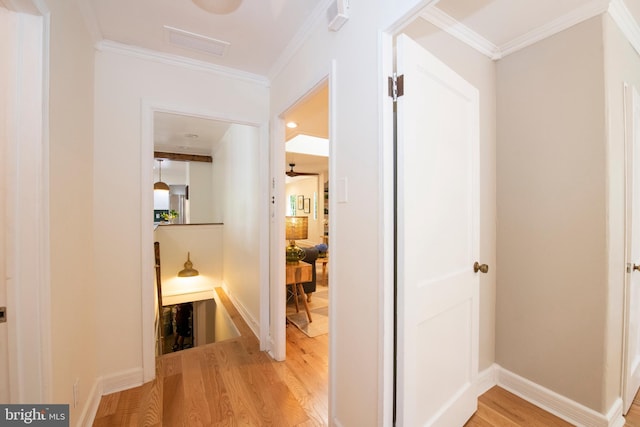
column 277, row 300
column 148, row 108
column 630, row 95
column 277, row 295
column 28, row 289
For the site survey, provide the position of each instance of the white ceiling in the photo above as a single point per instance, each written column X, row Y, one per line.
column 176, row 133
column 259, row 33
column 503, row 21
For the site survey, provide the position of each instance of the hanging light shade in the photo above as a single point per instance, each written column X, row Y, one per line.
column 188, row 270
column 160, row 186
column 218, row 7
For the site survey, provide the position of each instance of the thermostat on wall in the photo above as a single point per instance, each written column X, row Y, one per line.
column 337, row 14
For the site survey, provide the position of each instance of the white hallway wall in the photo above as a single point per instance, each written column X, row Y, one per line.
column 74, row 347
column 237, row 161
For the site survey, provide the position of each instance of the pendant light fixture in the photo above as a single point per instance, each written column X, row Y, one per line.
column 160, row 186
column 218, row 7
column 188, row 270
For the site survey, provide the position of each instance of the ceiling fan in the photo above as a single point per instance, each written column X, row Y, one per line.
column 294, row 173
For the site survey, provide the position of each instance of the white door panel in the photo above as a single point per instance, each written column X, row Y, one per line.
column 6, row 38
column 632, row 295
column 437, row 213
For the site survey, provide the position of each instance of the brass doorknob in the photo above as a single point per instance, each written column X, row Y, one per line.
column 483, row 268
column 636, row 267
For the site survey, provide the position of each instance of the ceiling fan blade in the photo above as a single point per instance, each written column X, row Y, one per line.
column 293, row 173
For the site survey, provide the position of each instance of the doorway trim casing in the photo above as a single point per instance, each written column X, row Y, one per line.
column 630, row 98
column 148, row 108
column 28, row 253
column 277, row 297
column 277, row 294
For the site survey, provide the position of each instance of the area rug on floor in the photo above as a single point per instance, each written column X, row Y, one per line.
column 319, row 308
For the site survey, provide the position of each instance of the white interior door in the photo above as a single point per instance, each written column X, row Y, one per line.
column 437, row 237
column 6, row 37
column 632, row 295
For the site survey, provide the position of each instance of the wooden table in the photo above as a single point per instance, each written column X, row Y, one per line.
column 324, row 262
column 296, row 275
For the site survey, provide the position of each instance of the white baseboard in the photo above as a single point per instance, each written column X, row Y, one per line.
column 557, row 404
column 122, row 381
column 107, row 385
column 91, row 405
column 487, row 379
column 248, row 318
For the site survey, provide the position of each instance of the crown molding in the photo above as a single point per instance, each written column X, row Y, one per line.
column 466, row 35
column 22, row 6
column 460, row 31
column 180, row 61
column 626, row 22
column 587, row 11
column 299, row 38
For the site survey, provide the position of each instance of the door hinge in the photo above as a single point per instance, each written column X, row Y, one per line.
column 396, row 86
column 3, row 314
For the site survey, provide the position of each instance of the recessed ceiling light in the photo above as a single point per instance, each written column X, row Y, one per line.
column 191, row 135
column 292, row 125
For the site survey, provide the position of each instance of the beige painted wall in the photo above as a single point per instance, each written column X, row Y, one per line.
column 622, row 64
column 634, row 8
column 551, row 212
column 73, row 286
column 480, row 71
column 122, row 84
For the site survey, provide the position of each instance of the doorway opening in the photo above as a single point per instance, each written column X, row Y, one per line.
column 300, row 311
column 191, row 189
column 213, row 165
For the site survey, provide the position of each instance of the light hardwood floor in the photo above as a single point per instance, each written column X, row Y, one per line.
column 633, row 416
column 229, row 383
column 498, row 407
column 233, row 383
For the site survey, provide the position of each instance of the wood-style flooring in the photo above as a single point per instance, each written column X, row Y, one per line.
column 633, row 416
column 229, row 383
column 498, row 407
column 233, row 383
